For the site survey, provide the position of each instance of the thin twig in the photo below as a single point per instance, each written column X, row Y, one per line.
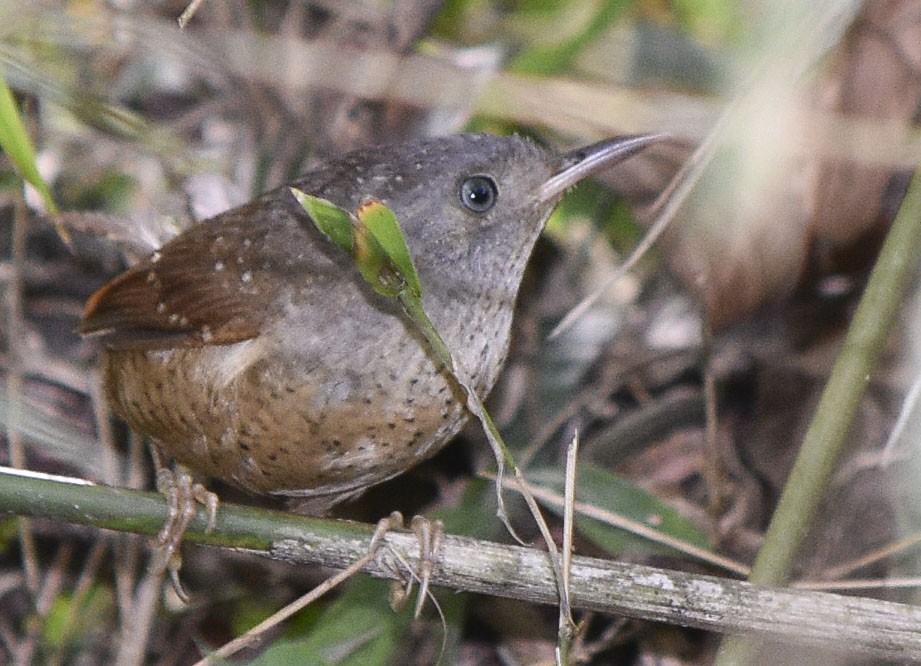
column 894, row 548
column 503, row 456
column 188, row 13
column 283, row 614
column 713, row 467
column 15, row 338
column 136, row 628
column 639, row 529
column 565, row 628
column 828, row 430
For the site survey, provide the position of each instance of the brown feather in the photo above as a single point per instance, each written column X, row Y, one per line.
column 207, row 286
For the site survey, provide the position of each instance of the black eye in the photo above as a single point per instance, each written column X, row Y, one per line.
column 478, row 193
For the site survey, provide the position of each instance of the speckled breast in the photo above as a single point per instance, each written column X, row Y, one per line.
column 297, row 426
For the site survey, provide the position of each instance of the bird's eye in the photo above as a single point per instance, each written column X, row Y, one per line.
column 478, row 193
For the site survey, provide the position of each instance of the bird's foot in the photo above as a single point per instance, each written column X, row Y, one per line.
column 183, row 495
column 430, row 535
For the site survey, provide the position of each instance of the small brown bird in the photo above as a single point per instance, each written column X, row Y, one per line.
column 251, row 350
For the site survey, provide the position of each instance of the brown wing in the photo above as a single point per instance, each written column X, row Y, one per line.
column 225, row 279
column 212, row 284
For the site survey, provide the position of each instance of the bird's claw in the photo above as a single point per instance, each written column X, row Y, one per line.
column 183, row 495
column 430, row 535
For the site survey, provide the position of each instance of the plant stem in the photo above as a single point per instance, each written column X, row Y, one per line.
column 834, row 416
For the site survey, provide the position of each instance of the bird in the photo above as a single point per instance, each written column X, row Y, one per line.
column 250, row 349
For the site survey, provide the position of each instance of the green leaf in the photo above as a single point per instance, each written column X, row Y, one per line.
column 17, row 145
column 615, row 494
column 374, row 265
column 383, row 224
column 349, row 234
column 358, row 628
column 373, row 239
column 382, row 256
column 73, row 618
column 557, row 58
column 334, row 222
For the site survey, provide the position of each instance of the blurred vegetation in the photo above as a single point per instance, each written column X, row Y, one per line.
column 136, row 121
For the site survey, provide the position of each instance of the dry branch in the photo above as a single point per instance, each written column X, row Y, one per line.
column 856, row 624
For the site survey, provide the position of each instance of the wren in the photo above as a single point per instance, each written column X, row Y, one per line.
column 251, row 350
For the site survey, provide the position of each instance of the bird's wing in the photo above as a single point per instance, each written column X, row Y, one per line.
column 217, row 283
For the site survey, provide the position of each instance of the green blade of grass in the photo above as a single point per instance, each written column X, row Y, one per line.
column 333, row 222
column 15, row 141
column 383, row 224
column 824, row 440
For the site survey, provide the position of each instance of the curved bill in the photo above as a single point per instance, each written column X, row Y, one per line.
column 584, row 162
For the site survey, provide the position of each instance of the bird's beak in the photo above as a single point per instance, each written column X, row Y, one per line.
column 584, row 162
